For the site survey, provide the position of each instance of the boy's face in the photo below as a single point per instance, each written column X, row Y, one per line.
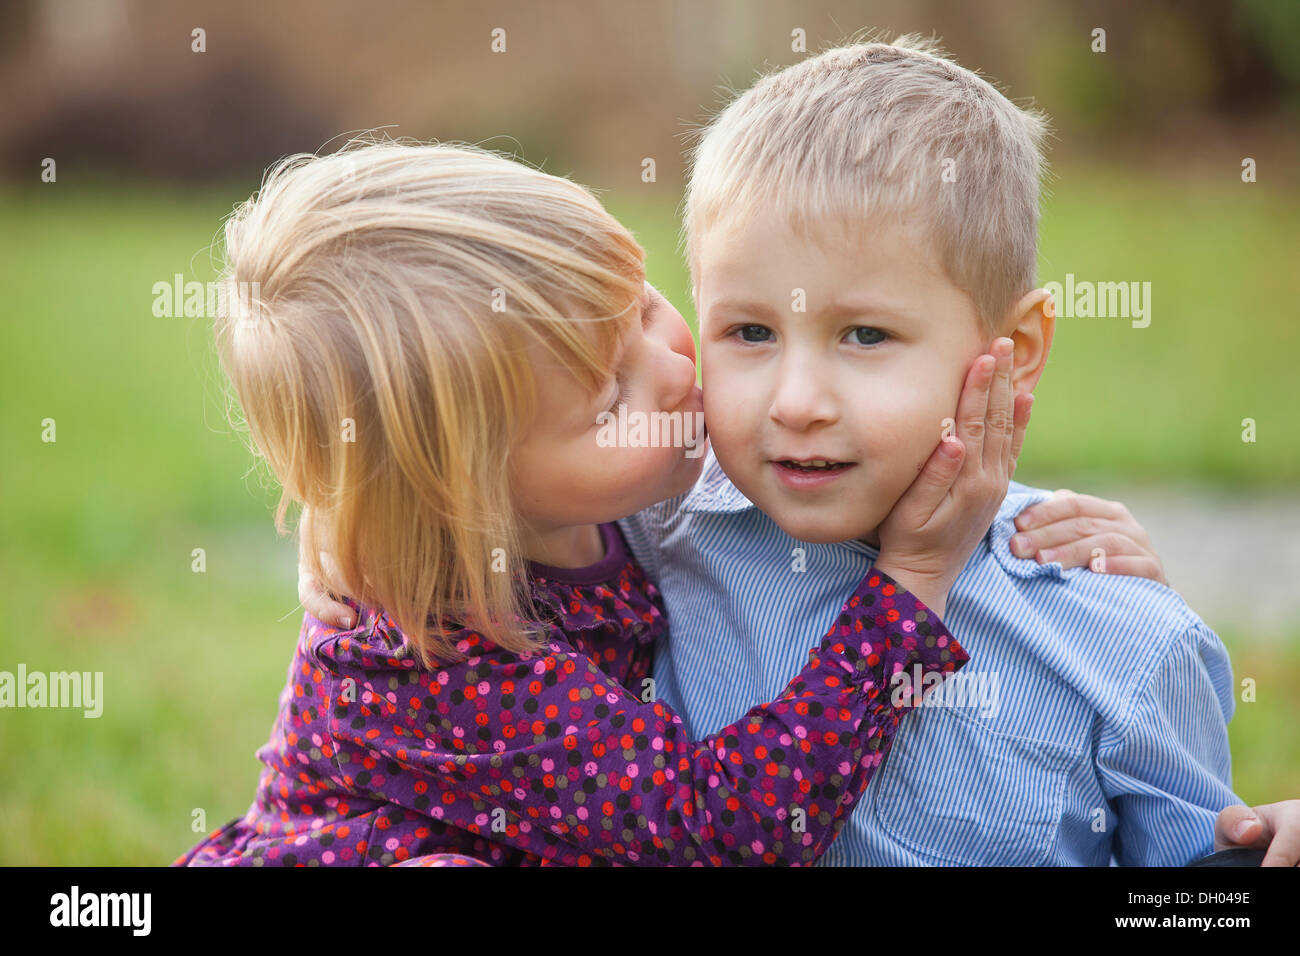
column 862, row 379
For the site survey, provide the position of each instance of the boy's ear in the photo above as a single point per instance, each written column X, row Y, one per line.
column 1030, row 324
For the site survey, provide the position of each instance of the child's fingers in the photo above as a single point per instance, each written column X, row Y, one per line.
column 924, row 496
column 1119, row 553
column 333, row 575
column 319, row 603
column 1024, row 544
column 999, row 418
column 324, row 608
column 972, row 407
column 1138, row 566
column 1229, row 830
column 1076, row 550
column 1023, row 405
column 1282, row 823
column 1067, row 504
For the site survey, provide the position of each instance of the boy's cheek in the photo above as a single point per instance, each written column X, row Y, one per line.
column 919, row 433
column 730, row 413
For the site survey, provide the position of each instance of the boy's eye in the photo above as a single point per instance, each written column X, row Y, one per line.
column 863, row 335
column 754, row 333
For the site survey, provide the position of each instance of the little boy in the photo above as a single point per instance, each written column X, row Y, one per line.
column 859, row 227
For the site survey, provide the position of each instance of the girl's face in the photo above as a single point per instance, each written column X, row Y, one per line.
column 577, row 467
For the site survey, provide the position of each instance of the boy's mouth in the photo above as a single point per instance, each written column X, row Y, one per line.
column 802, row 474
column 813, row 464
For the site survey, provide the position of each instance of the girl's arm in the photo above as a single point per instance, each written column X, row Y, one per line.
column 578, row 769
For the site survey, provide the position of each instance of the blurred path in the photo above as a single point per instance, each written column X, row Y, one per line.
column 1235, row 558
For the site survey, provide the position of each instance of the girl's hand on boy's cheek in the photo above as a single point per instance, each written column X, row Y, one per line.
column 1083, row 531
column 929, row 534
column 1271, row 826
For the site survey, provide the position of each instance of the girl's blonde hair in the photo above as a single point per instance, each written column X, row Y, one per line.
column 382, row 362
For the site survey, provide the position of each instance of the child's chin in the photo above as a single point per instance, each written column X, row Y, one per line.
column 831, row 529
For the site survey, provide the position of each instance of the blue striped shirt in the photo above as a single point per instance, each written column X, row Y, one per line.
column 1091, row 727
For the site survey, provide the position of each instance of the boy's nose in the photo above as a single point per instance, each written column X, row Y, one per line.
column 802, row 398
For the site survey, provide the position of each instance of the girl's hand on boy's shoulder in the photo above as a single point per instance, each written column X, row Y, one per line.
column 1072, row 529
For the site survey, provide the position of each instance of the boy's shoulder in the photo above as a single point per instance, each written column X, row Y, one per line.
column 1103, row 622
column 1105, row 594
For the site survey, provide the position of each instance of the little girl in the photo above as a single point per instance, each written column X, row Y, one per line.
column 435, row 334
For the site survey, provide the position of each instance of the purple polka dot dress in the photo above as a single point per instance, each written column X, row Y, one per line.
column 562, row 756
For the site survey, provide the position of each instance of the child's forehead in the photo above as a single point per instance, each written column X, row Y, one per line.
column 886, row 260
column 793, row 216
column 724, row 241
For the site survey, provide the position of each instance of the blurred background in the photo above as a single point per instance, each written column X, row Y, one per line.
column 155, row 132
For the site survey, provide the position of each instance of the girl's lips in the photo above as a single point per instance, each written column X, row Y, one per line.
column 789, row 474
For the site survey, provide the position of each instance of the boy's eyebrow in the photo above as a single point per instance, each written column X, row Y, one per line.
column 867, row 307
column 758, row 309
column 837, row 308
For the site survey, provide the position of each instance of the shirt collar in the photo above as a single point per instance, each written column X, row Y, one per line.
column 714, row 493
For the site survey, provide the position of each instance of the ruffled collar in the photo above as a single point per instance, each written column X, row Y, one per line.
column 613, row 591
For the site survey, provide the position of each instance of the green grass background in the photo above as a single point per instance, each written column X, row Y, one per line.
column 97, row 529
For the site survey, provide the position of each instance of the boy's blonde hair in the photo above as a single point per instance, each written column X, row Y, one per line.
column 867, row 130
column 384, row 365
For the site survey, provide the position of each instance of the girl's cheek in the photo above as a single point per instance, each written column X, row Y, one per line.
column 634, row 467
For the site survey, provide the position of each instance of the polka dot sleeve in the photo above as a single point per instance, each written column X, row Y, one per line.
column 547, row 754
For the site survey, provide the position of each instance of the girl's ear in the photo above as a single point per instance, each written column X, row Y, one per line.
column 1030, row 324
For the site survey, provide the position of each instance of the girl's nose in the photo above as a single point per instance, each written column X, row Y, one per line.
column 676, row 333
column 672, row 333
